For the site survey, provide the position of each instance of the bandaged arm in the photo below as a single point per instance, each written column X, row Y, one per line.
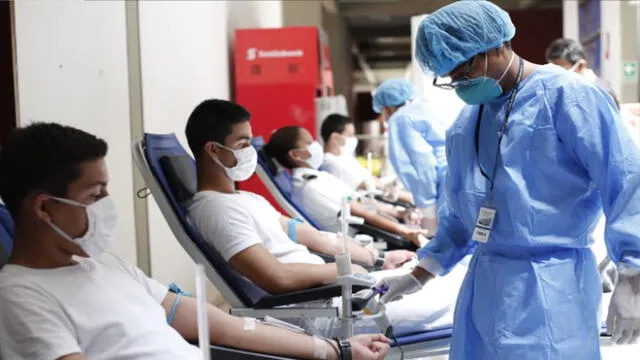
column 227, row 330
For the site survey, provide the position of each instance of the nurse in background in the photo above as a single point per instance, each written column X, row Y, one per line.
column 416, row 130
column 340, row 143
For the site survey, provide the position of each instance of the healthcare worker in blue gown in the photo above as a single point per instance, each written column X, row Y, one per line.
column 534, row 156
column 416, row 129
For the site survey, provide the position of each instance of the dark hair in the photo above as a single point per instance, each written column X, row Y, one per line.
column 567, row 49
column 334, row 123
column 212, row 120
column 44, row 157
column 282, row 141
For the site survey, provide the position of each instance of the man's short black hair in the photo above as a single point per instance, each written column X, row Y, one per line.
column 334, row 123
column 212, row 120
column 567, row 49
column 44, row 157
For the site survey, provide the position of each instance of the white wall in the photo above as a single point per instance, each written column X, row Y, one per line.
column 254, row 14
column 72, row 69
column 570, row 19
column 183, row 52
column 611, row 49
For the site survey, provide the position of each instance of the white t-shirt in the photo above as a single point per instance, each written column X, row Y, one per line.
column 347, row 168
column 320, row 194
column 104, row 308
column 232, row 223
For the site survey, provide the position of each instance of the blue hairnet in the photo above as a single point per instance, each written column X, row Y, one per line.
column 459, row 31
column 393, row 92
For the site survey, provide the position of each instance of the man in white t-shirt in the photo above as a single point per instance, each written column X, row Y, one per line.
column 252, row 236
column 63, row 296
column 340, row 143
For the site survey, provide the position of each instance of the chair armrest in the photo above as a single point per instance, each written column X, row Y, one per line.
column 327, row 258
column 302, row 296
column 394, row 242
column 228, row 353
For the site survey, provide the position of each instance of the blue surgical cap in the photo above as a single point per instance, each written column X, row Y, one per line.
column 393, row 92
column 457, row 32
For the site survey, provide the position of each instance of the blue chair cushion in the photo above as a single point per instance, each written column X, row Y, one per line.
column 282, row 179
column 6, row 235
column 175, row 171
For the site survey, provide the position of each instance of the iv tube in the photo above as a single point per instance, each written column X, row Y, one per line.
column 346, row 214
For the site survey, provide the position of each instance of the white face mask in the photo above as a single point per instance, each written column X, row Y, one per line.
column 317, row 155
column 349, row 147
column 102, row 218
column 247, row 160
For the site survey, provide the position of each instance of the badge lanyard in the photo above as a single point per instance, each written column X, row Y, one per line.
column 503, row 128
column 487, row 213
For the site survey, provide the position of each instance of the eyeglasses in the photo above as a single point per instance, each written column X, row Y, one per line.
column 465, row 80
column 462, row 81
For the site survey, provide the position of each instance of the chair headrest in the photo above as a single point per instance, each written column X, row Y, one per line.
column 181, row 178
column 6, row 235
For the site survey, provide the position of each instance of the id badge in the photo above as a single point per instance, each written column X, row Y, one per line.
column 484, row 224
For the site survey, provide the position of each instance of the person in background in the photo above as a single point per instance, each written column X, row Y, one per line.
column 569, row 54
column 320, row 193
column 340, row 143
column 64, row 296
column 533, row 159
column 416, row 130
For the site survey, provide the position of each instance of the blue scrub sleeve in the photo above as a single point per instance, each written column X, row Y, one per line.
column 591, row 129
column 418, row 174
column 451, row 243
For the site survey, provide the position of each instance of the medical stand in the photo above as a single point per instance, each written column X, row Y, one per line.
column 369, row 183
column 346, row 277
column 203, row 322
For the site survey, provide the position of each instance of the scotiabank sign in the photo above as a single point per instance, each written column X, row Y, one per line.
column 277, row 56
column 254, row 53
column 278, row 73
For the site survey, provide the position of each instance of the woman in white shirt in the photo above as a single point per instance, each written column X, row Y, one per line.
column 320, row 193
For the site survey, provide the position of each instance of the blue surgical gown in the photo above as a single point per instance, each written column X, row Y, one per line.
column 417, row 149
column 533, row 291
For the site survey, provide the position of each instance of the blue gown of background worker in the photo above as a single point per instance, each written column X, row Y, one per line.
column 533, row 290
column 416, row 140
